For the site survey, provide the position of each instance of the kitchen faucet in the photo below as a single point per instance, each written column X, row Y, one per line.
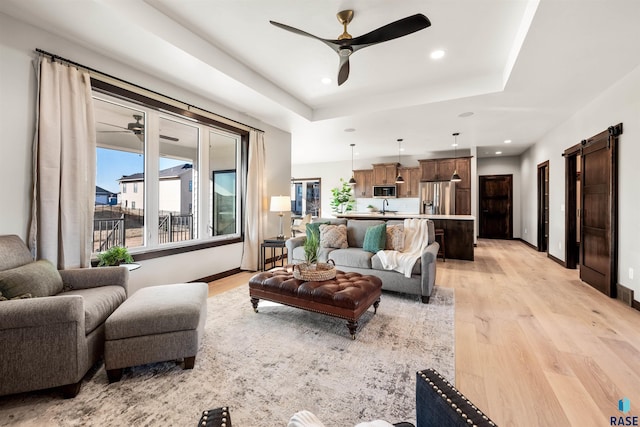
column 385, row 201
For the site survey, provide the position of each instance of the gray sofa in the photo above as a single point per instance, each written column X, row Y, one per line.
column 52, row 341
column 356, row 259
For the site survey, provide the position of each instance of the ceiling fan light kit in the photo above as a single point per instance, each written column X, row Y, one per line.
column 345, row 45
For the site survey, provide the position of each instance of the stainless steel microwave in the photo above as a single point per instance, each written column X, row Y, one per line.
column 384, row 191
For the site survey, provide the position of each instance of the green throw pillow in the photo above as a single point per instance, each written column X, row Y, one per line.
column 39, row 278
column 375, row 238
column 314, row 227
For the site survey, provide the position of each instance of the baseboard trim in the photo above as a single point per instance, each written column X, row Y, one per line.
column 557, row 260
column 527, row 243
column 635, row 304
column 218, row 276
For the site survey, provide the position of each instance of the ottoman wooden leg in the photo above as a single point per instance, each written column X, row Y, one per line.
column 254, row 303
column 189, row 362
column 114, row 375
column 375, row 306
column 352, row 325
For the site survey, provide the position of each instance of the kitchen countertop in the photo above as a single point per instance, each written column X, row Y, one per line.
column 403, row 215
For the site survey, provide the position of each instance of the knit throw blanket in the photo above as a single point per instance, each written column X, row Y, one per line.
column 416, row 240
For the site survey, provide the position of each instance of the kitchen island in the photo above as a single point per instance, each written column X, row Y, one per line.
column 458, row 229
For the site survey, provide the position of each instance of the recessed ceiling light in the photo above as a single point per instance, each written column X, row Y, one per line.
column 350, row 130
column 437, row 54
column 466, row 114
column 498, row 152
column 507, row 141
column 455, row 144
column 326, row 80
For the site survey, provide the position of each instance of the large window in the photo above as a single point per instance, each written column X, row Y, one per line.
column 172, row 179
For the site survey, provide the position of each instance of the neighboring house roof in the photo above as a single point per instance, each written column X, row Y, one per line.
column 172, row 172
column 102, row 192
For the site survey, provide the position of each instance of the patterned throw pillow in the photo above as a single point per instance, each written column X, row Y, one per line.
column 375, row 238
column 395, row 238
column 333, row 236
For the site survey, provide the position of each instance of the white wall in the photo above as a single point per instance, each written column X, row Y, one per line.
column 508, row 165
column 17, row 92
column 618, row 104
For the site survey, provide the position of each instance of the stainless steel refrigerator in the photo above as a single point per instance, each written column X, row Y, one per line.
column 438, row 197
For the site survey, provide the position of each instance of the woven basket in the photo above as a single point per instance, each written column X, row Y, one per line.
column 314, row 272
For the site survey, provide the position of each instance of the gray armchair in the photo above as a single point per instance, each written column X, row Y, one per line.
column 52, row 341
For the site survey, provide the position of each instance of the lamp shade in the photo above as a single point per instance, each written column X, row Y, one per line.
column 280, row 204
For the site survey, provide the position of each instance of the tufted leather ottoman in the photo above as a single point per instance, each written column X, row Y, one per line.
column 347, row 296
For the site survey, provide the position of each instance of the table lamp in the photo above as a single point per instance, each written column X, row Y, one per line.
column 280, row 204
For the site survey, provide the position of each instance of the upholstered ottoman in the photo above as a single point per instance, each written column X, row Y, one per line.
column 347, row 296
column 156, row 324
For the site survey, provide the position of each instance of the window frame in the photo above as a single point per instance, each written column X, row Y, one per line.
column 202, row 240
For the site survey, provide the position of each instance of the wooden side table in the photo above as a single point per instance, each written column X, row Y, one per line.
column 278, row 260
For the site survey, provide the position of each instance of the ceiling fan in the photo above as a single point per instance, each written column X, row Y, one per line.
column 136, row 128
column 346, row 45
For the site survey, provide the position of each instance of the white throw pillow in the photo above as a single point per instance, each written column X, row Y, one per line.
column 304, row 419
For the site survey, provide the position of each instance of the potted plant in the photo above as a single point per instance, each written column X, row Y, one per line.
column 311, row 269
column 372, row 208
column 311, row 245
column 342, row 200
column 113, row 256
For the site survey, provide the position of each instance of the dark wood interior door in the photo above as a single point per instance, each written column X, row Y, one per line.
column 496, row 206
column 543, row 207
column 598, row 230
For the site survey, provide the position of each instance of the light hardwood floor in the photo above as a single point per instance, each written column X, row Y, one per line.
column 534, row 345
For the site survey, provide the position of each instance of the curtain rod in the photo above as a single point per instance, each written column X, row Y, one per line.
column 55, row 57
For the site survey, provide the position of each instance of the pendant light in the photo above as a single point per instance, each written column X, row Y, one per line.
column 399, row 179
column 455, row 177
column 352, row 181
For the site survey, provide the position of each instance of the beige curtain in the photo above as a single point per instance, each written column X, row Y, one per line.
column 64, row 167
column 255, row 203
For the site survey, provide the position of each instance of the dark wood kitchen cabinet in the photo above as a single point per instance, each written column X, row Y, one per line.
column 385, row 173
column 437, row 169
column 411, row 185
column 364, row 183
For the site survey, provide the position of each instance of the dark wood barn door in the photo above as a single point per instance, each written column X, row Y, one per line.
column 598, row 219
column 496, row 206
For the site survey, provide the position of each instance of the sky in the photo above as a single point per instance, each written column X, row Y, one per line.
column 113, row 164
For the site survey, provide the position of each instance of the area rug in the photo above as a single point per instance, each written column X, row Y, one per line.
column 265, row 366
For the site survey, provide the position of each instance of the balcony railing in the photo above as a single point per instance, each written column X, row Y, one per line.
column 108, row 232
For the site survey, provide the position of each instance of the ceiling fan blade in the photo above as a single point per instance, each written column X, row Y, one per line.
column 343, row 71
column 394, row 30
column 334, row 46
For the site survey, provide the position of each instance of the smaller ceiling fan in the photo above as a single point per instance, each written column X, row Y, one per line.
column 136, row 128
column 345, row 45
